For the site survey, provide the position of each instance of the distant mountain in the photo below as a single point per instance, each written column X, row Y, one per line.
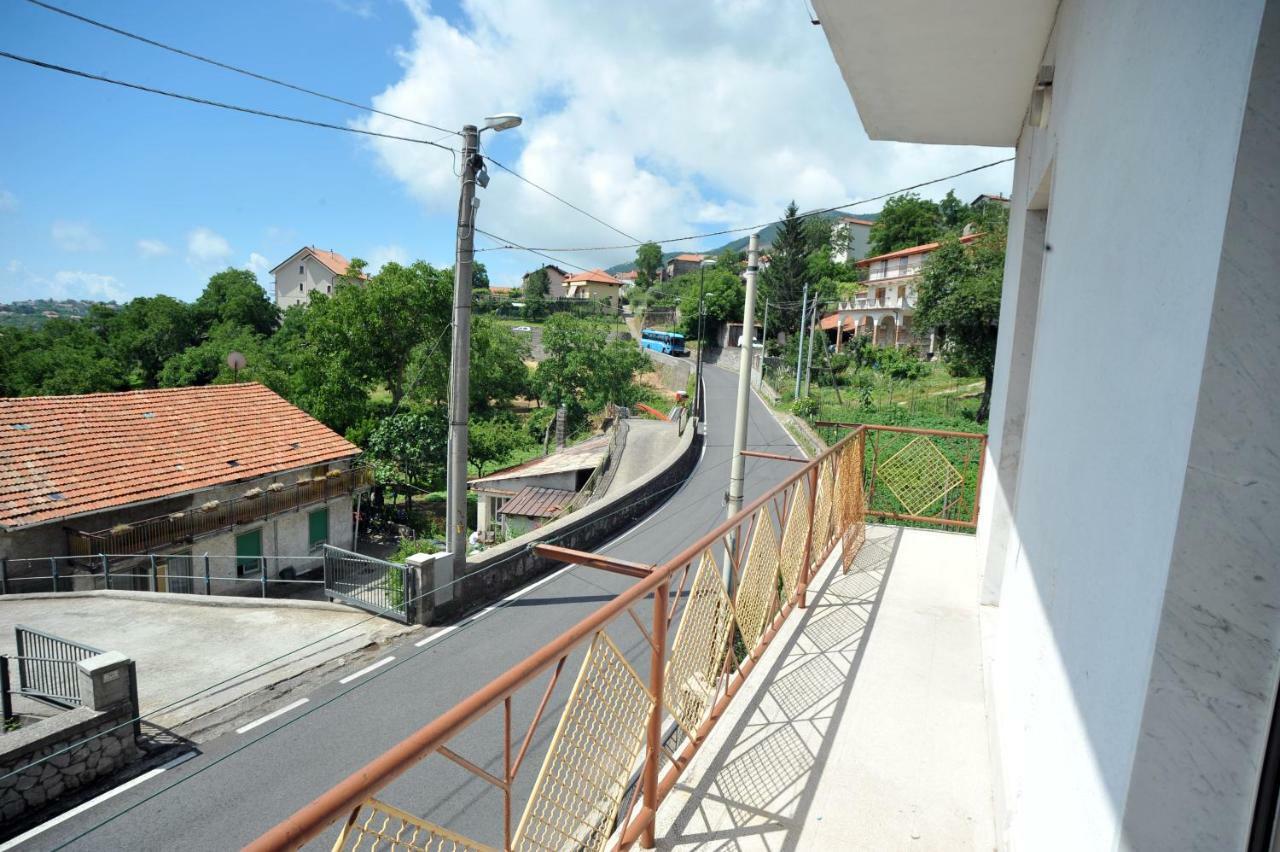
column 33, row 313
column 766, row 240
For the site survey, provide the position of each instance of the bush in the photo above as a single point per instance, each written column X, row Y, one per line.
column 806, row 407
column 538, row 421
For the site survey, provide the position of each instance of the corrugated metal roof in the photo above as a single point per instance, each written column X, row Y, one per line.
column 578, row 457
column 534, row 502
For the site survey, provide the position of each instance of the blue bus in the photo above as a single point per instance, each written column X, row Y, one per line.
column 666, row 342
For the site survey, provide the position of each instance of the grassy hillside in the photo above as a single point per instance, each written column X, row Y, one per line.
column 33, row 313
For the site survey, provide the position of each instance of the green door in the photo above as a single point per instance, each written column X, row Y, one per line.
column 318, row 527
column 248, row 552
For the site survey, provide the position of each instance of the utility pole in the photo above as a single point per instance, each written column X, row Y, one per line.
column 813, row 327
column 737, row 472
column 460, row 363
column 764, row 340
column 702, row 313
column 804, row 313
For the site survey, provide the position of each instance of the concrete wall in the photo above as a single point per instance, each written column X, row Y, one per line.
column 673, row 372
column 1141, row 145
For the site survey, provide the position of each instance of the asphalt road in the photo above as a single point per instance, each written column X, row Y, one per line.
column 239, row 785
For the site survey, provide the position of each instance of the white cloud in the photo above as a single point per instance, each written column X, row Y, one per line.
column 207, row 247
column 258, row 265
column 86, row 285
column 380, row 256
column 359, row 8
column 690, row 123
column 8, row 201
column 75, row 236
column 152, row 248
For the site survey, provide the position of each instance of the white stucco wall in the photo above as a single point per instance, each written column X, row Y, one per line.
column 314, row 276
column 1142, row 141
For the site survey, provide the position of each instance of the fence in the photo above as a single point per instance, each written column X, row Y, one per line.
column 159, row 533
column 920, row 477
column 613, row 727
column 372, row 584
column 202, row 574
column 47, row 666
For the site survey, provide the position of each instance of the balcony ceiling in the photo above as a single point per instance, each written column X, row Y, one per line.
column 936, row 71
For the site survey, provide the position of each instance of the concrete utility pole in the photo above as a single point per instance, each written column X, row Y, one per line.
column 764, row 340
column 804, row 312
column 813, row 328
column 460, row 364
column 737, row 472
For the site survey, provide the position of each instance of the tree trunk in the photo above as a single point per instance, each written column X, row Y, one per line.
column 984, row 407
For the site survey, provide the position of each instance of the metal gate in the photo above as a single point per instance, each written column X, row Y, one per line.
column 381, row 587
column 47, row 666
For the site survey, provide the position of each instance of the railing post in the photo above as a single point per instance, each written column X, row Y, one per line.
column 4, row 575
column 805, row 568
column 106, row 571
column 208, row 582
column 6, row 701
column 977, row 486
column 262, row 573
column 53, row 565
column 657, row 672
column 155, row 581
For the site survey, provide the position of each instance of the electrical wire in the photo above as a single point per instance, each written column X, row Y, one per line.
column 563, row 201
column 508, row 244
column 763, row 225
column 219, row 104
column 234, row 68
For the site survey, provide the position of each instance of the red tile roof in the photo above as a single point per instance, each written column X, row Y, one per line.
column 535, row 502
column 829, row 323
column 331, row 260
column 62, row 456
column 856, row 221
column 912, row 250
column 595, row 276
column 690, row 258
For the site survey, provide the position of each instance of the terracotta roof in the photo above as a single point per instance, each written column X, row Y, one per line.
column 62, row 456
column 629, row 275
column 829, row 323
column 331, row 260
column 857, row 221
column 691, row 258
column 912, row 250
column 578, row 457
column 595, row 276
column 534, row 502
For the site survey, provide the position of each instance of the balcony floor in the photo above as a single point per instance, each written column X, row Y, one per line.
column 864, row 727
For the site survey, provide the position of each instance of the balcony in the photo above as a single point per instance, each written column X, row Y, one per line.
column 166, row 531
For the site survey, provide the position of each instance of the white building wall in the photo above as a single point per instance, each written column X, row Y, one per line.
column 1142, row 139
column 295, row 288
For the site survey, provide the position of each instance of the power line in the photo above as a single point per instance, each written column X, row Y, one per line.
column 569, row 204
column 508, row 244
column 206, row 102
column 233, row 68
column 763, row 225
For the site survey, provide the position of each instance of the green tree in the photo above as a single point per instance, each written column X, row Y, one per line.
column 479, row 276
column 206, row 362
column 648, row 262
column 784, row 279
column 64, row 357
column 537, row 285
column 492, row 440
column 410, row 447
column 723, row 298
column 234, row 296
column 907, row 220
column 954, row 212
column 582, row 370
column 148, row 331
column 959, row 293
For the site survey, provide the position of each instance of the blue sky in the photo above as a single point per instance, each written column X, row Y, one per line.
column 106, row 192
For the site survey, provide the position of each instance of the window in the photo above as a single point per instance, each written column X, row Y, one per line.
column 302, row 270
column 249, row 553
column 318, row 528
column 902, row 265
column 299, row 285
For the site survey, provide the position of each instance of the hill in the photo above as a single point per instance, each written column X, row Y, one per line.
column 33, row 313
column 766, row 239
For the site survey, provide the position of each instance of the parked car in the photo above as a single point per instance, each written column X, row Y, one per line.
column 522, row 328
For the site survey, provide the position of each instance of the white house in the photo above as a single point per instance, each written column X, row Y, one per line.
column 307, row 270
column 850, row 238
column 1130, row 530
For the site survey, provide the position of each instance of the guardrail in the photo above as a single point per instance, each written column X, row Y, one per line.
column 164, row 531
column 615, row 722
column 47, row 666
column 928, row 477
column 207, row 574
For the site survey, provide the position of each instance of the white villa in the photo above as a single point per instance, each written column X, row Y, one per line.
column 306, row 271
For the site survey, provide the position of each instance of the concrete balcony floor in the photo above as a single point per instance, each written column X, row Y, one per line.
column 864, row 727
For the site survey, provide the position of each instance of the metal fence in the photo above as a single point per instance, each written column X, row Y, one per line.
column 202, row 574
column 47, row 666
column 376, row 585
column 611, row 730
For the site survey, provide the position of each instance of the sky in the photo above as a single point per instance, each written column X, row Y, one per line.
column 661, row 118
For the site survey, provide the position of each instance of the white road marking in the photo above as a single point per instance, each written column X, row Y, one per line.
column 79, row 809
column 267, row 718
column 516, row 595
column 364, row 671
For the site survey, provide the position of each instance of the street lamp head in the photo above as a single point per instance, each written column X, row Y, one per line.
column 708, row 261
column 502, row 121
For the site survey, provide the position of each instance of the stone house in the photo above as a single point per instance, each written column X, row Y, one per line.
column 232, row 471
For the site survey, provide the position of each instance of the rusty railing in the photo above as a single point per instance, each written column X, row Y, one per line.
column 920, row 477
column 625, row 735
column 166, row 530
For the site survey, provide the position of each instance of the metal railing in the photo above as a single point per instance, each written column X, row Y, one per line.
column 926, row 477
column 167, row 530
column 47, row 666
column 621, row 724
column 373, row 584
column 201, row 574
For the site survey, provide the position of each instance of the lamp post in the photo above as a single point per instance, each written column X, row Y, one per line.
column 473, row 173
column 697, row 386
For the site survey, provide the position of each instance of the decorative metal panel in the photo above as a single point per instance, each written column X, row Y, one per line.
column 698, row 653
column 757, row 586
column 376, row 826
column 794, row 538
column 919, row 475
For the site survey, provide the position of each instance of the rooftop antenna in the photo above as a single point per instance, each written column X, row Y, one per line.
column 236, row 362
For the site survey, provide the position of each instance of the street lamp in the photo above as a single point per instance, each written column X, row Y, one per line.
column 473, row 172
column 697, row 386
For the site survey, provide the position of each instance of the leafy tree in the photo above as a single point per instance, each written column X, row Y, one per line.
column 206, row 363
column 730, row 261
column 234, row 296
column 582, row 370
column 355, row 269
column 493, row 440
column 723, row 298
column 959, row 292
column 783, row 281
column 148, row 331
column 536, row 287
column 907, row 220
column 479, row 277
column 954, row 212
column 648, row 262
column 411, row 447
column 65, row 357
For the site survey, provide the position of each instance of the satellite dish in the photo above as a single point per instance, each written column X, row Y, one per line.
column 236, row 362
